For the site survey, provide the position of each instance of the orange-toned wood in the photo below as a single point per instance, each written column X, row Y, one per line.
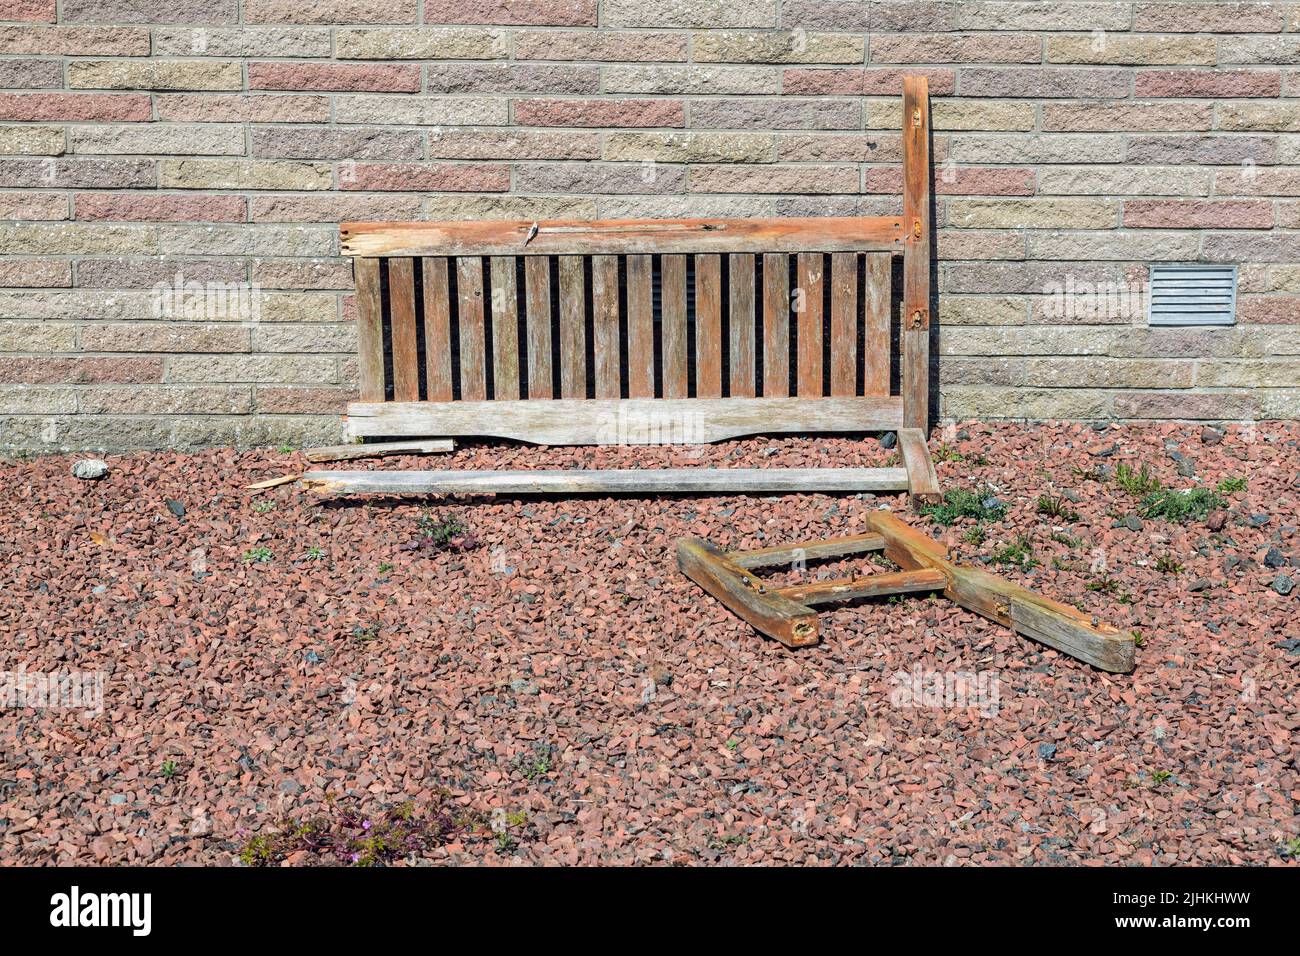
column 708, row 326
column 640, row 327
column 808, row 307
column 844, row 324
column 604, row 303
column 437, row 328
column 776, row 325
column 915, row 333
column 741, row 276
column 401, row 299
column 370, row 330
column 672, row 282
column 573, row 341
column 505, row 328
column 537, row 305
column 876, row 340
column 473, row 336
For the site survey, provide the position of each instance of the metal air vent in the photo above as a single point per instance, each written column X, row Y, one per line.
column 1192, row 295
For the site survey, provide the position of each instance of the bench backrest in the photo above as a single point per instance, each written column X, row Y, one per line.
column 669, row 330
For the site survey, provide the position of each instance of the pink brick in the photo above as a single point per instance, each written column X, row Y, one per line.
column 346, row 77
column 33, row 206
column 1288, row 215
column 103, row 107
column 1208, row 83
column 80, row 371
column 35, row 274
column 138, row 207
column 442, row 177
column 277, row 400
column 1269, row 310
column 330, row 12
column 548, row 13
column 862, row 82
column 542, row 112
column 958, row 181
column 75, row 41
column 1198, row 214
column 235, row 108
column 1251, row 16
column 29, row 11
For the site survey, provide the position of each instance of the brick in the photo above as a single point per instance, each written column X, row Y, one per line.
column 1288, row 215
column 31, row 11
column 240, row 174
column 1123, row 180
column 209, row 139
column 538, row 13
column 149, row 11
column 773, row 179
column 389, row 43
column 33, row 206
column 165, row 336
column 74, row 239
column 1046, row 149
column 659, row 207
column 1137, row 117
column 131, row 273
column 512, row 144
column 228, row 108
column 985, row 115
column 1053, row 341
column 600, row 178
column 315, row 142
column 31, row 141
column 1095, row 372
column 247, row 240
column 1138, row 50
column 1197, row 406
column 1279, row 116
column 422, row 110
column 957, row 244
column 31, row 74
column 950, row 48
column 437, row 177
column 62, row 172
column 602, row 46
column 305, row 338
column 330, row 12
column 342, row 77
column 74, row 41
column 36, row 337
column 698, row 13
column 29, row 400
column 1033, row 213
column 708, row 80
column 1124, row 247
column 34, row 273
column 548, row 112
column 154, row 75
column 1276, row 374
column 958, row 181
column 508, row 207
column 723, row 46
column 1253, row 181
column 1197, row 214
column 1210, row 150
column 862, row 81
column 1241, row 247
column 983, row 310
column 159, row 208
column 1042, row 16
column 838, row 148
column 295, row 401
column 80, row 371
column 967, row 402
column 1269, row 310
column 1219, row 17
column 242, row 41
column 303, row 274
column 749, row 114
column 513, row 78
column 1031, row 277
column 333, row 207
column 272, row 369
column 1207, row 83
column 169, row 400
column 76, row 107
column 300, row 307
column 693, row 147
column 1043, row 83
column 829, row 14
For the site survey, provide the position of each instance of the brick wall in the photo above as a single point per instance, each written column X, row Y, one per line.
column 224, row 139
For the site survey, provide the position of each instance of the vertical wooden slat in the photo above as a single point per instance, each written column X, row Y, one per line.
column 915, row 333
column 573, row 343
column 672, row 288
column 708, row 326
column 537, row 302
column 437, row 329
column 604, row 322
column 876, row 340
column 808, row 302
column 505, row 328
column 370, row 330
column 401, row 299
column 776, row 326
column 742, row 325
column 473, row 337
column 844, row 324
column 640, row 328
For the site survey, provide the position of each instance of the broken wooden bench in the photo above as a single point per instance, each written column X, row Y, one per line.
column 648, row 332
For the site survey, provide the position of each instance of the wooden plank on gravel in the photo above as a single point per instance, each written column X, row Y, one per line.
column 807, row 551
column 923, row 483
column 600, row 481
column 378, row 449
column 872, row 585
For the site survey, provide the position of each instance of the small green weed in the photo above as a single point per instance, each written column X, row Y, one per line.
column 1136, row 482
column 1168, row 564
column 1018, row 552
column 1056, row 506
column 258, row 555
column 1230, row 486
column 1181, row 506
column 958, row 503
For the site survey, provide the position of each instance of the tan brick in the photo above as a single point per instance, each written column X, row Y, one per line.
column 1048, row 148
column 76, row 239
column 74, row 41
column 1033, row 213
column 208, row 139
column 1250, row 374
column 242, row 174
column 303, row 273
column 911, row 48
column 33, row 206
column 423, row 44
column 620, row 46
column 1279, row 116
column 561, row 13
column 1095, row 372
column 154, row 75
column 256, row 369
column 711, row 80
column 301, row 306
column 508, row 207
column 168, row 400
column 1044, row 82
column 988, row 116
column 839, row 148
column 305, row 338
column 724, row 46
column 166, row 336
column 816, row 113
column 1282, row 50
column 36, row 337
column 699, row 13
column 513, row 78
column 1118, row 117
column 247, row 240
column 242, row 41
column 330, row 12
column 332, row 207
column 515, row 144
column 422, row 110
column 1123, row 180
column 236, row 108
column 773, row 179
column 982, row 310
column 31, row 141
column 1127, row 246
column 1019, row 340
column 36, row 400
column 961, row 402
column 1219, row 17
column 34, row 273
column 692, row 147
column 1142, row 50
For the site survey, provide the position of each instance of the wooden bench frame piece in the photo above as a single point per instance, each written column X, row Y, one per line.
column 784, row 612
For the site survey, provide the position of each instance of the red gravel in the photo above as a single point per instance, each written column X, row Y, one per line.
column 565, row 670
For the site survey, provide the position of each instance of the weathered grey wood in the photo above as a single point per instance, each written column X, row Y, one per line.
column 473, row 333
column 378, row 449
column 877, row 346
column 673, row 301
column 573, row 339
column 537, row 304
column 604, row 319
column 742, row 377
column 505, row 328
column 776, row 326
column 708, row 326
column 640, row 327
column 370, row 330
column 628, row 421
column 437, row 328
column 807, row 551
column 621, row 236
column 872, row 585
column 923, row 483
column 844, row 323
column 601, row 481
column 401, row 302
column 808, row 298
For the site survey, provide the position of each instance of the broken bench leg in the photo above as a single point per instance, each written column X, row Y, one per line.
column 922, row 482
column 784, row 612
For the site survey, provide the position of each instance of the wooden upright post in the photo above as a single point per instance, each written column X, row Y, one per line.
column 915, row 332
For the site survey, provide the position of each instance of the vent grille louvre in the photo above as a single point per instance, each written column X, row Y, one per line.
column 1192, row 295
